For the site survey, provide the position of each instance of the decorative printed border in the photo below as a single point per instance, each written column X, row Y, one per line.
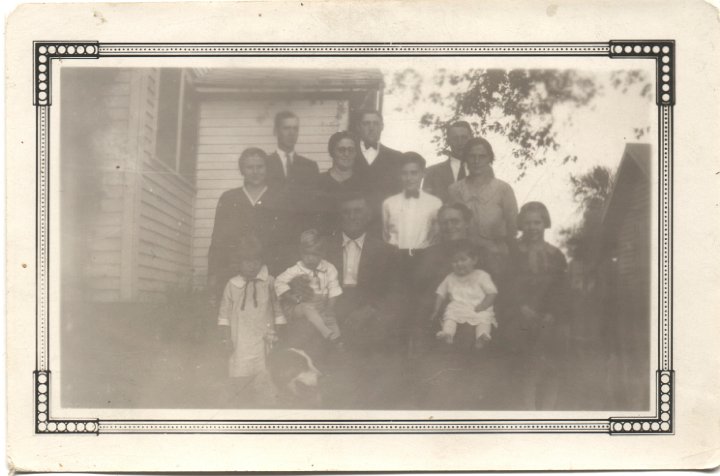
column 662, row 51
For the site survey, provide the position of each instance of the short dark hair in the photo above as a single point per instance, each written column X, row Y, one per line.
column 281, row 116
column 475, row 141
column 413, row 158
column 251, row 152
column 464, row 246
column 457, row 206
column 337, row 137
column 249, row 247
column 464, row 124
column 537, row 207
column 351, row 196
column 363, row 112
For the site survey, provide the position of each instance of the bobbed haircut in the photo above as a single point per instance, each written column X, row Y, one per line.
column 459, row 207
column 281, row 116
column 413, row 158
column 535, row 207
column 475, row 141
column 337, row 137
column 248, row 248
column 251, row 152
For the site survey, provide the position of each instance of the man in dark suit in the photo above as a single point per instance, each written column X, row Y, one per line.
column 368, row 311
column 380, row 164
column 296, row 178
column 285, row 166
column 439, row 177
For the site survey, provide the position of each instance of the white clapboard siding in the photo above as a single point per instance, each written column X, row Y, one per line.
column 102, row 266
column 226, row 128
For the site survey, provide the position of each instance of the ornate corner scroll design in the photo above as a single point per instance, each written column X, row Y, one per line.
column 664, row 54
column 45, row 52
column 43, row 422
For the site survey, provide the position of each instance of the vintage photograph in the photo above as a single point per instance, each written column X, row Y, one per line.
column 377, row 235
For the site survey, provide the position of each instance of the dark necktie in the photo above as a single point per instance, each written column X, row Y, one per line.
column 412, row 194
column 461, row 174
column 248, row 282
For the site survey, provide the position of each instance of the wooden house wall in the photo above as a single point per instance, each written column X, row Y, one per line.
column 227, row 127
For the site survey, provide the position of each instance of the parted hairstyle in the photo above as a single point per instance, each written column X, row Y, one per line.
column 464, row 124
column 311, row 239
column 251, row 152
column 337, row 137
column 535, row 207
column 413, row 158
column 281, row 116
column 363, row 112
column 475, row 141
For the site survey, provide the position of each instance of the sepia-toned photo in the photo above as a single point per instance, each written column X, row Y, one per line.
column 376, row 235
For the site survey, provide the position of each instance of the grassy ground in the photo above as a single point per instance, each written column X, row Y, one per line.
column 168, row 356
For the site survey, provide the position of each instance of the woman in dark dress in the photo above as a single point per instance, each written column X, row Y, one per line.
column 538, row 308
column 340, row 180
column 253, row 209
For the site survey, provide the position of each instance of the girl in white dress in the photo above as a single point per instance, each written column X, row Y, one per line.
column 248, row 313
column 469, row 294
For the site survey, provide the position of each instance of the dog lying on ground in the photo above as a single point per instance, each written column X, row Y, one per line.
column 295, row 377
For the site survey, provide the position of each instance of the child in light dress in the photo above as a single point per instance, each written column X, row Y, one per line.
column 469, row 294
column 247, row 317
column 309, row 288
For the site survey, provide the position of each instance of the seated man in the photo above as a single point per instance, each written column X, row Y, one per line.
column 368, row 312
column 369, row 305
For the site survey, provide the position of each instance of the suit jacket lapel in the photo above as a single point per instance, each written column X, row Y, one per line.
column 335, row 255
column 365, row 258
column 449, row 175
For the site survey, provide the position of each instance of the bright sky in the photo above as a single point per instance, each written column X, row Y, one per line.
column 597, row 136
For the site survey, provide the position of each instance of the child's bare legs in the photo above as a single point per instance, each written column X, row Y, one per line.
column 482, row 334
column 309, row 312
column 447, row 334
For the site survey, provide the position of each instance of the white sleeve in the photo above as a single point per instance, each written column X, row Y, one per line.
column 444, row 288
column 333, row 283
column 282, row 282
column 225, row 311
column 486, row 283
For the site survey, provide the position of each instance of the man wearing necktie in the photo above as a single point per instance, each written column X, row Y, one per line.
column 439, row 177
column 296, row 177
column 380, row 164
column 369, row 309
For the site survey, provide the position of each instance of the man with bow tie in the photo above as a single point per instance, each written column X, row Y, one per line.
column 439, row 177
column 379, row 164
column 409, row 218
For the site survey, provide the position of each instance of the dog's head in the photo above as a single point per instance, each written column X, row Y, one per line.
column 295, row 375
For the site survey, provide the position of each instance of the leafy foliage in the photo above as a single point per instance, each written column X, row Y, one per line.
column 590, row 192
column 521, row 105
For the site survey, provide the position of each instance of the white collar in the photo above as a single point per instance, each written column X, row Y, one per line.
column 359, row 240
column 255, row 201
column 240, row 280
column 321, row 268
column 282, row 154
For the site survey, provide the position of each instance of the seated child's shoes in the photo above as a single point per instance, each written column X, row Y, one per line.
column 444, row 337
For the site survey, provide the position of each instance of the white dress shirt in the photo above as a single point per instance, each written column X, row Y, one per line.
column 370, row 154
column 410, row 223
column 284, row 157
column 351, row 258
column 455, row 165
